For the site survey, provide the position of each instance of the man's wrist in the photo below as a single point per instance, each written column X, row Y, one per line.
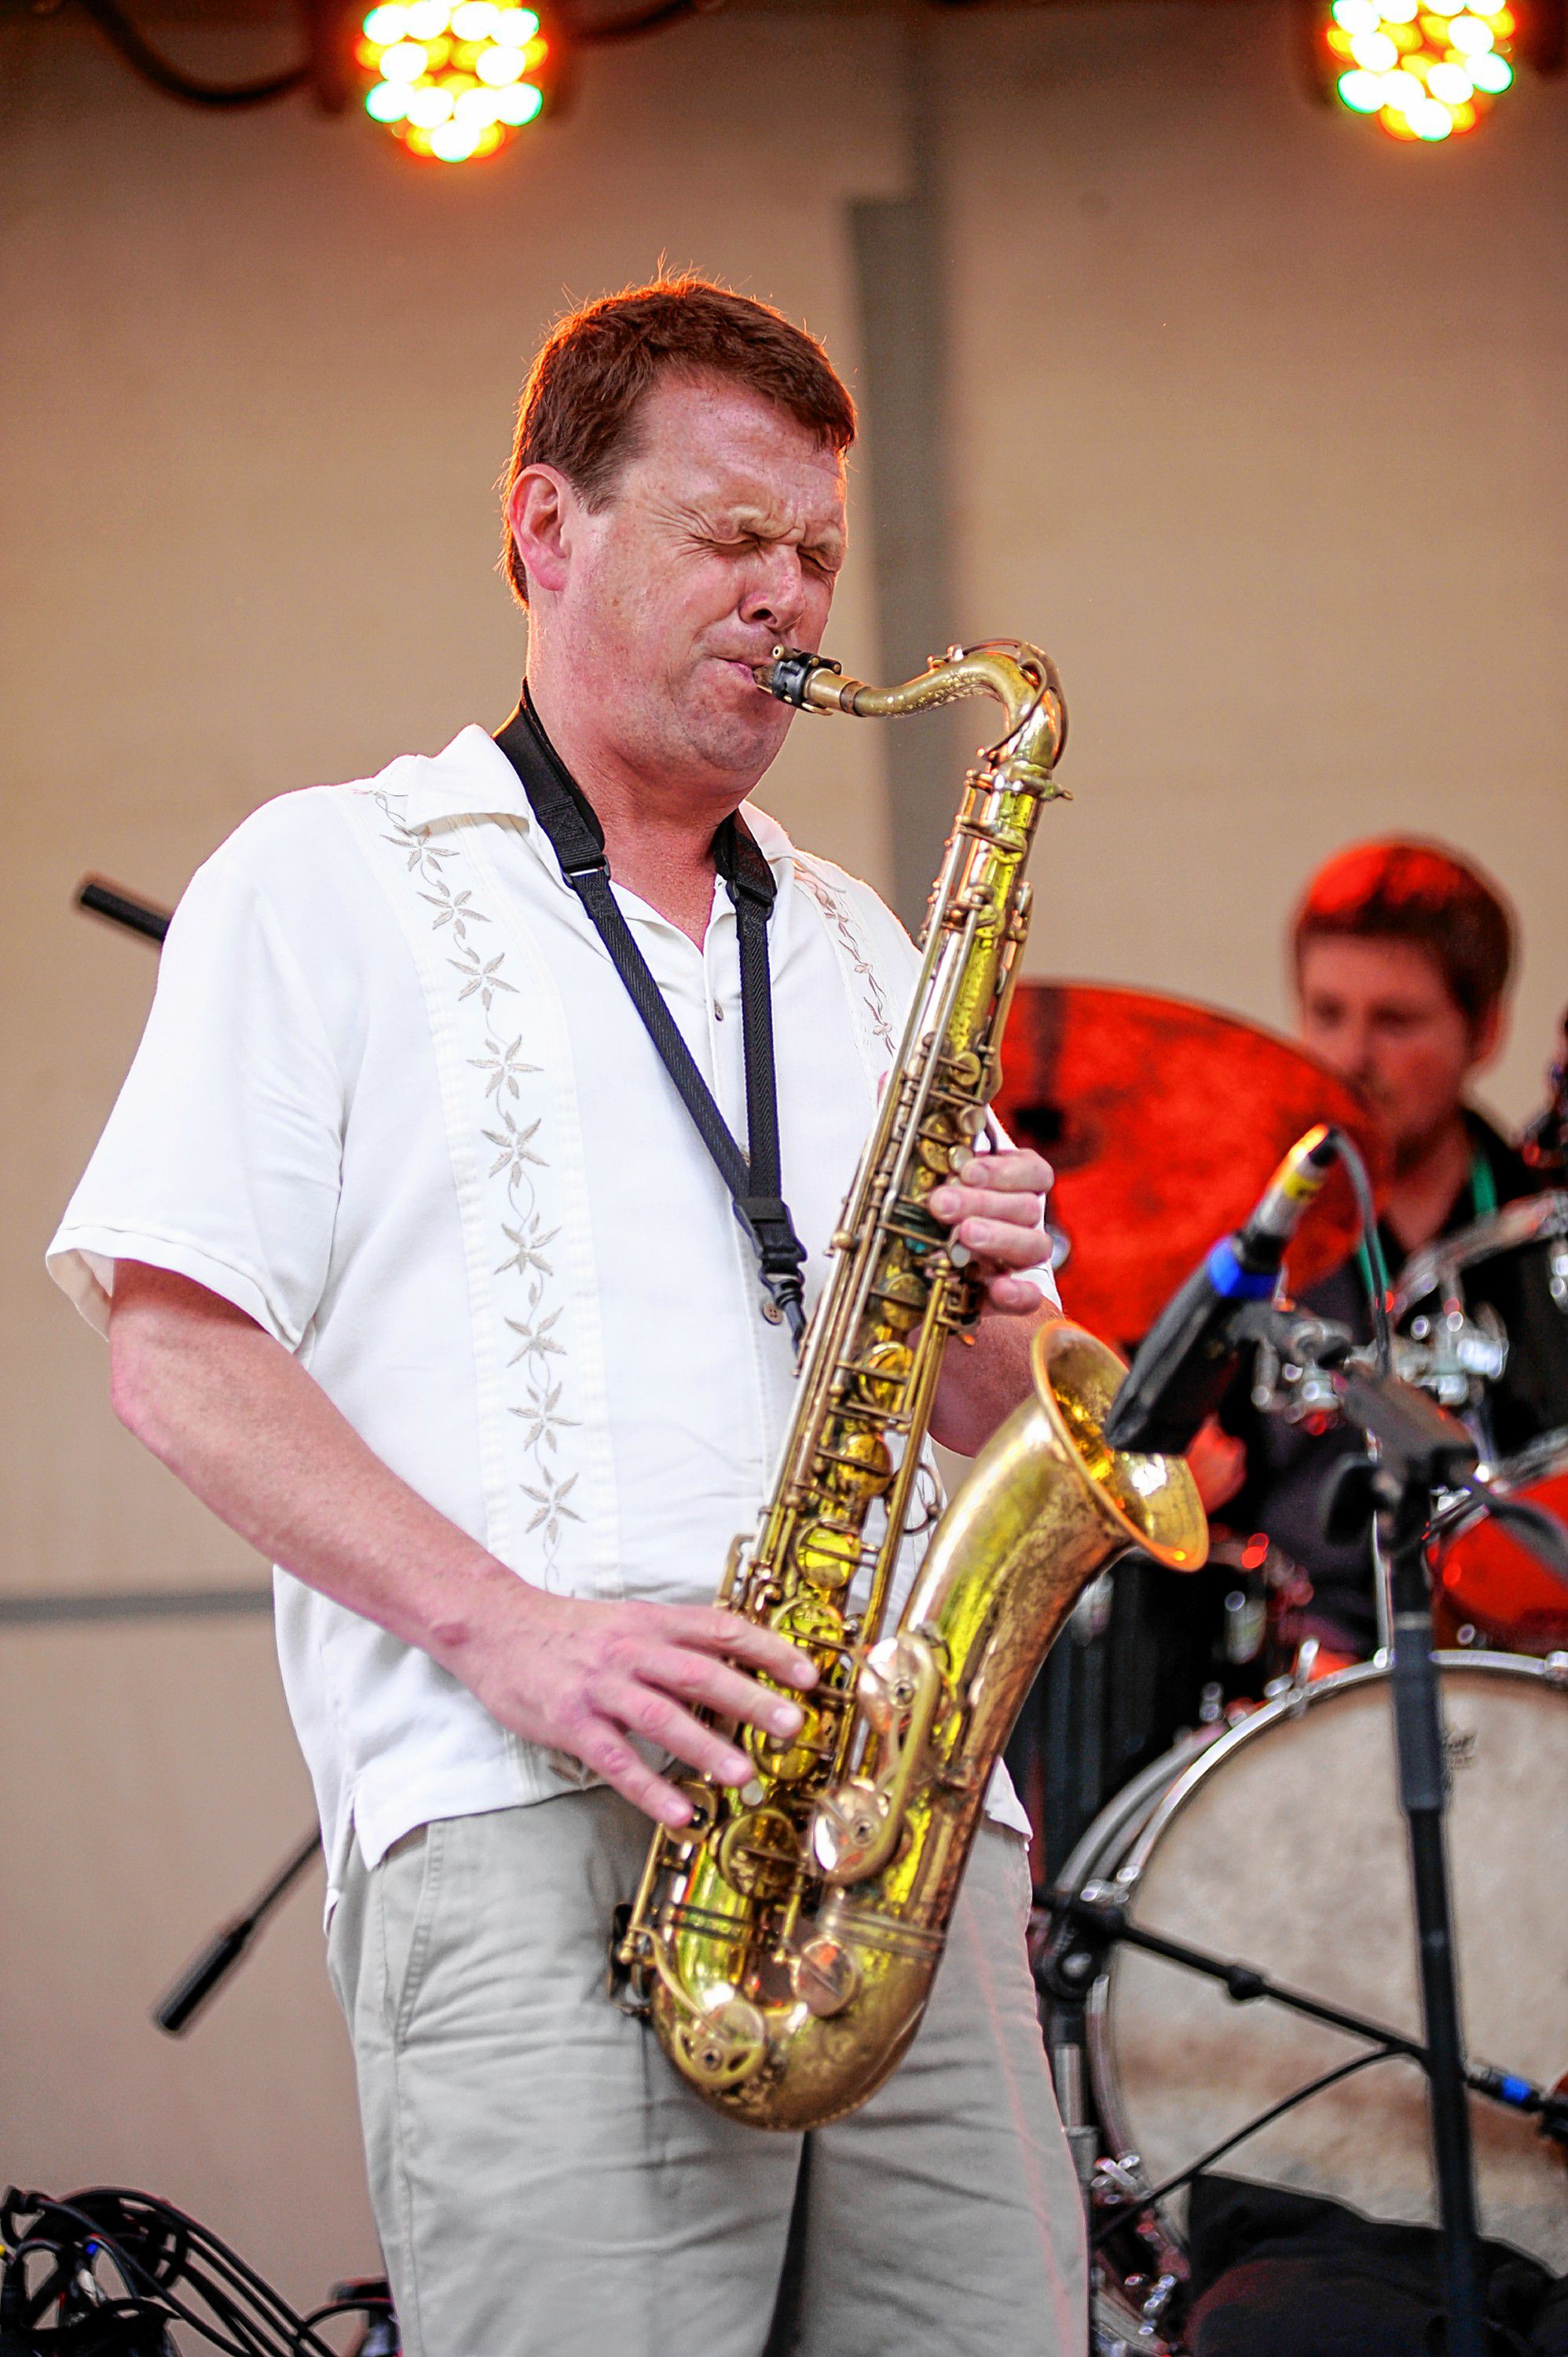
column 472, row 1603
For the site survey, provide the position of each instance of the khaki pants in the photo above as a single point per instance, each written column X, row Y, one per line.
column 546, row 2185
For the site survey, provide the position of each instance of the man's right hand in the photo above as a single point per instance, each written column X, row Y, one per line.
column 586, row 1678
column 242, row 1424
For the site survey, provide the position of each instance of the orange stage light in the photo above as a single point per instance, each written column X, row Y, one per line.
column 455, row 82
column 1425, row 73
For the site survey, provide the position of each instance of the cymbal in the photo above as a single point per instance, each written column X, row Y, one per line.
column 1164, row 1120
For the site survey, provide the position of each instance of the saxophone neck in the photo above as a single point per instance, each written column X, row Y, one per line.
column 1022, row 678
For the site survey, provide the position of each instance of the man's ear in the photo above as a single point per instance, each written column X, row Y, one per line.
column 539, row 511
column 1487, row 1036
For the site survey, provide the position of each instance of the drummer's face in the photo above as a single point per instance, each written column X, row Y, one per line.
column 1380, row 1012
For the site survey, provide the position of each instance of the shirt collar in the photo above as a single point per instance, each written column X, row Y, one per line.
column 472, row 778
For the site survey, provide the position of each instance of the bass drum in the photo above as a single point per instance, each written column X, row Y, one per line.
column 1281, row 1844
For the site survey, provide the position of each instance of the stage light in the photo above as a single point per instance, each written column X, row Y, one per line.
column 1423, row 70
column 457, row 81
column 1362, row 93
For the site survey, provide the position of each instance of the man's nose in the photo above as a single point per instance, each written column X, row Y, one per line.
column 774, row 595
column 1355, row 1052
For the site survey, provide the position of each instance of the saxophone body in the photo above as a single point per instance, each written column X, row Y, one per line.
column 785, row 1942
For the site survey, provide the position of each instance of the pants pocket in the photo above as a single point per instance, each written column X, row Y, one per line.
column 407, row 1888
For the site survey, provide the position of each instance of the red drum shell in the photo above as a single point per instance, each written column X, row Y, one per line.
column 1484, row 1577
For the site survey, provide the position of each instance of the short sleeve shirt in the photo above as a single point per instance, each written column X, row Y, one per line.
column 394, row 1102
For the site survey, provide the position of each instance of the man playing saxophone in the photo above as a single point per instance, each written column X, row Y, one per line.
column 417, row 1270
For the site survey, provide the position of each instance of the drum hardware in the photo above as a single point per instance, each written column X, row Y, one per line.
column 1545, row 1143
column 1452, row 1356
column 1515, row 1401
column 1295, row 1682
column 1074, row 1931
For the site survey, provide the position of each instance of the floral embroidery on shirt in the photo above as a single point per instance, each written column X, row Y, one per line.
column 836, row 910
column 484, row 977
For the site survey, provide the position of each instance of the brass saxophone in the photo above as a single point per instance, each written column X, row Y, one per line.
column 784, row 1942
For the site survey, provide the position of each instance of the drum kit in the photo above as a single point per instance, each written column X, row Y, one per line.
column 1228, row 1948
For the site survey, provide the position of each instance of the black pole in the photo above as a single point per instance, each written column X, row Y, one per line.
column 101, row 898
column 200, row 1983
column 1418, row 1738
column 1418, row 1450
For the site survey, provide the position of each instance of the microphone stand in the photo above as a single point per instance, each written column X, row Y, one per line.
column 1420, row 1448
column 203, row 1976
column 1417, row 1448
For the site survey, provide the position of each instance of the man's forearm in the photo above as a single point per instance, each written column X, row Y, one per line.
column 983, row 1379
column 250, row 1433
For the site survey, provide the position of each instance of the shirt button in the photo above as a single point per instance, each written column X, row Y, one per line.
column 718, row 1012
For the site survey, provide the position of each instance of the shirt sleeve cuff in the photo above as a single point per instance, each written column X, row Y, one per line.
column 82, row 1262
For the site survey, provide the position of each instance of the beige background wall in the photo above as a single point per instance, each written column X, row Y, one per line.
column 1256, row 423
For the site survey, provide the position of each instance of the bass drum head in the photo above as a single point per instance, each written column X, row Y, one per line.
column 1283, row 1848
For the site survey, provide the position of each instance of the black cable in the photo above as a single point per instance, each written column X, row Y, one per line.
column 628, row 28
column 155, row 68
column 1128, row 2210
column 1376, row 1268
column 272, row 2330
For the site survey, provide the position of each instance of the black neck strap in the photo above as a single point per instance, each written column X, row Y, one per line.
column 572, row 827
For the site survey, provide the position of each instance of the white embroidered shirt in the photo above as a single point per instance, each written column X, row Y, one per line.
column 394, row 1102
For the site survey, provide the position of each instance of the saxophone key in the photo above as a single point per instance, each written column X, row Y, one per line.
column 723, row 2047
column 827, row 1556
column 825, row 1976
column 884, row 1372
column 758, row 1854
column 861, row 1465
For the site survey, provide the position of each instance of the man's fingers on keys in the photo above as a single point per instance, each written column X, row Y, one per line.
column 643, row 1711
column 604, row 1750
column 964, row 1203
column 701, row 1678
column 718, row 1630
column 1017, row 1170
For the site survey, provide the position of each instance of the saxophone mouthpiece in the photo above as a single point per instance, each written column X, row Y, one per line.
column 788, row 674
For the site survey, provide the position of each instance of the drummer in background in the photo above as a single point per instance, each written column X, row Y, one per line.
column 1402, row 954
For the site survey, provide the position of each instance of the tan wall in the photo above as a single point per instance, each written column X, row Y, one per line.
column 1262, row 430
column 1257, row 425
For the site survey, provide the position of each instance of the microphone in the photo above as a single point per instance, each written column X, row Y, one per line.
column 1182, row 1367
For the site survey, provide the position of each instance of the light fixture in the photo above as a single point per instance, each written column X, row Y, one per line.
column 456, row 81
column 452, row 79
column 1423, row 72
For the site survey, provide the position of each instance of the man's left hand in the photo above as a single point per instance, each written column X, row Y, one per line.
column 996, row 1205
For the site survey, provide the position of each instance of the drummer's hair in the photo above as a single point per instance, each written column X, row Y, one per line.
column 1412, row 889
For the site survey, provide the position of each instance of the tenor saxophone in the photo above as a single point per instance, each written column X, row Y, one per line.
column 784, row 1942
